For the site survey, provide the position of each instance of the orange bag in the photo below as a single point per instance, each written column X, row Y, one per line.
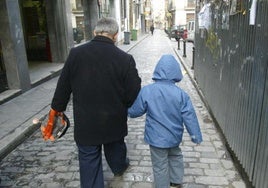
column 55, row 125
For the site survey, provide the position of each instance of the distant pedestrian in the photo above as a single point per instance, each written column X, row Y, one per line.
column 168, row 108
column 152, row 29
column 104, row 82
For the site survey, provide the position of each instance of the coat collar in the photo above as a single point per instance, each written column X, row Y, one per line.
column 103, row 39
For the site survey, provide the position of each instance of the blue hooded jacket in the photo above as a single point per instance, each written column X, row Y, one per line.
column 167, row 107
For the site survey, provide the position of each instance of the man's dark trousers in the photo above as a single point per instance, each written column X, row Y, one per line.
column 90, row 162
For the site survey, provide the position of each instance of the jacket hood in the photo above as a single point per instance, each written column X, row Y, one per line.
column 167, row 68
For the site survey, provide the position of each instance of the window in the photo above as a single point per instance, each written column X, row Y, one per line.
column 191, row 3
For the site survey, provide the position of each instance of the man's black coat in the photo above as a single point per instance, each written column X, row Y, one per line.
column 104, row 82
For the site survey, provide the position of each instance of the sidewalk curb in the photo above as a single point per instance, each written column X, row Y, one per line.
column 138, row 41
column 21, row 133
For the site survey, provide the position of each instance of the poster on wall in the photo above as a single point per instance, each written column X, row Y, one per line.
column 236, row 7
column 204, row 17
column 225, row 15
column 225, row 21
column 253, row 10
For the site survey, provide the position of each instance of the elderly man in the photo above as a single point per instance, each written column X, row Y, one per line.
column 104, row 82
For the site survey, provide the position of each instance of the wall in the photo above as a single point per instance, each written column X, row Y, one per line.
column 180, row 16
column 13, row 47
column 231, row 68
column 12, row 38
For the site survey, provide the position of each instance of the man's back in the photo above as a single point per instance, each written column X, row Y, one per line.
column 104, row 83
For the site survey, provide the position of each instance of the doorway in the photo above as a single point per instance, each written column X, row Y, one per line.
column 3, row 77
column 35, row 30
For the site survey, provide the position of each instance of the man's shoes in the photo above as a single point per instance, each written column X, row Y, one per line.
column 122, row 171
column 175, row 185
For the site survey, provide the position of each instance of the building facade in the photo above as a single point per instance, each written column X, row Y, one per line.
column 32, row 31
column 179, row 12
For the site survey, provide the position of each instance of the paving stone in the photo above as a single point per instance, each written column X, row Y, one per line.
column 73, row 184
column 194, row 171
column 192, row 185
column 227, row 164
column 239, row 184
column 199, row 165
column 214, row 172
column 188, row 179
column 142, row 147
column 146, row 163
column 210, row 160
column 202, row 148
column 191, row 154
column 142, row 185
column 211, row 180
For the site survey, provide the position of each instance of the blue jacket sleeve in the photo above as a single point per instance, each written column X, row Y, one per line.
column 190, row 121
column 139, row 107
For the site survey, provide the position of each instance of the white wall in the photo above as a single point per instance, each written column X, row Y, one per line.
column 117, row 7
column 180, row 18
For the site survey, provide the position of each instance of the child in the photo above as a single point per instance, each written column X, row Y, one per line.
column 167, row 108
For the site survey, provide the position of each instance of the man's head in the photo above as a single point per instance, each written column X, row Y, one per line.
column 107, row 27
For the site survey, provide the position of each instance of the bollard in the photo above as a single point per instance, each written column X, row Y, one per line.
column 178, row 40
column 184, row 48
column 193, row 58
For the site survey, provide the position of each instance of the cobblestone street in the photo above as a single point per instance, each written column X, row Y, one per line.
column 36, row 163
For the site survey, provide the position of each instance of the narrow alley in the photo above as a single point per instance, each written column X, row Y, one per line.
column 36, row 163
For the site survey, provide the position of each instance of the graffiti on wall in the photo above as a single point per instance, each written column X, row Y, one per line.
column 236, row 7
column 212, row 17
column 213, row 43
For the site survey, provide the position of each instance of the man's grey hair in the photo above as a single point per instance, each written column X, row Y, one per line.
column 107, row 25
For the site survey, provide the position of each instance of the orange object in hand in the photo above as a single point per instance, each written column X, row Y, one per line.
column 47, row 130
column 55, row 125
